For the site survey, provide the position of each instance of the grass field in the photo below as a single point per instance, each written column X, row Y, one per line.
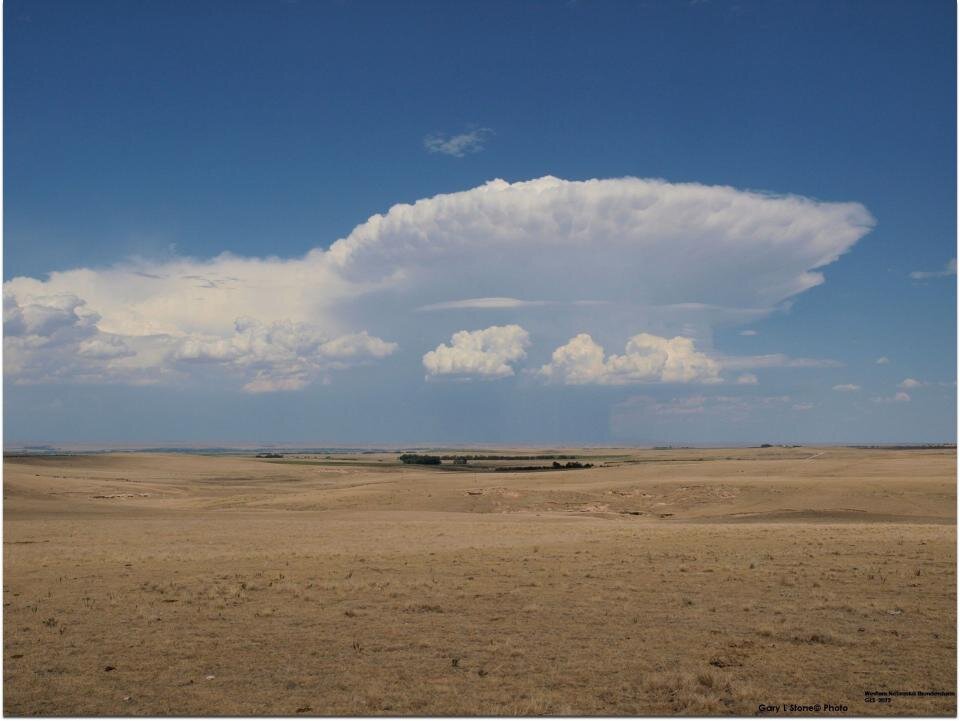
column 658, row 582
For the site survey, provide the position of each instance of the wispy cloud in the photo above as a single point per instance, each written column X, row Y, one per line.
column 483, row 304
column 900, row 397
column 846, row 388
column 634, row 410
column 775, row 360
column 457, row 146
column 949, row 269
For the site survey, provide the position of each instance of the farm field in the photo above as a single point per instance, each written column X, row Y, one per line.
column 677, row 581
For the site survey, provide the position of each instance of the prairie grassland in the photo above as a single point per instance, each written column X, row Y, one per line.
column 669, row 582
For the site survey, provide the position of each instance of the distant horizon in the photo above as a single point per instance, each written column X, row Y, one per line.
column 174, row 447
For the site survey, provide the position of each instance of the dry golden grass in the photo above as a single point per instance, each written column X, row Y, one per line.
column 680, row 582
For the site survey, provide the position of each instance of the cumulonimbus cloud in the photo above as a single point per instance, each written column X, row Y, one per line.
column 485, row 353
column 611, row 250
column 648, row 359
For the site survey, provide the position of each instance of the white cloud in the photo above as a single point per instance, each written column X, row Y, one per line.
column 802, row 406
column 747, row 379
column 457, row 146
column 648, row 359
column 628, row 240
column 948, row 270
column 50, row 338
column 846, row 388
column 480, row 353
column 910, row 383
column 748, row 332
column 882, row 360
column 279, row 355
column 900, row 397
column 676, row 259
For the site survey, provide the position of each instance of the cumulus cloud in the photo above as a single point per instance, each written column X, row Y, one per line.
column 948, row 270
column 457, row 146
column 49, row 338
column 651, row 254
column 882, row 360
column 483, row 353
column 910, row 383
column 280, row 355
column 846, row 388
column 747, row 379
column 55, row 338
column 648, row 359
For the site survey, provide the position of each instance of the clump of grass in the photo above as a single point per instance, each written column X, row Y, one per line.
column 705, row 693
column 422, row 608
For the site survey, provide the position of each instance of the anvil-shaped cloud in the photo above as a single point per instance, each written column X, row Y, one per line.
column 547, row 245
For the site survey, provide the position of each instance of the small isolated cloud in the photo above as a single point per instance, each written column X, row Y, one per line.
column 802, row 406
column 900, row 397
column 479, row 353
column 882, row 361
column 847, row 388
column 648, row 359
column 910, row 383
column 748, row 332
column 747, row 379
column 457, row 146
column 949, row 269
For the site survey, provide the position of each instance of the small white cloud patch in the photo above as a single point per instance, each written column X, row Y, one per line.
column 648, row 359
column 747, row 379
column 846, row 388
column 483, row 353
column 900, row 397
column 948, row 270
column 457, row 146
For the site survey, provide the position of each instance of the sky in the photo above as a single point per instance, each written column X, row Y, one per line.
column 566, row 222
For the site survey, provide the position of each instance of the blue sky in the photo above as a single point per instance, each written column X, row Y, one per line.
column 143, row 139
